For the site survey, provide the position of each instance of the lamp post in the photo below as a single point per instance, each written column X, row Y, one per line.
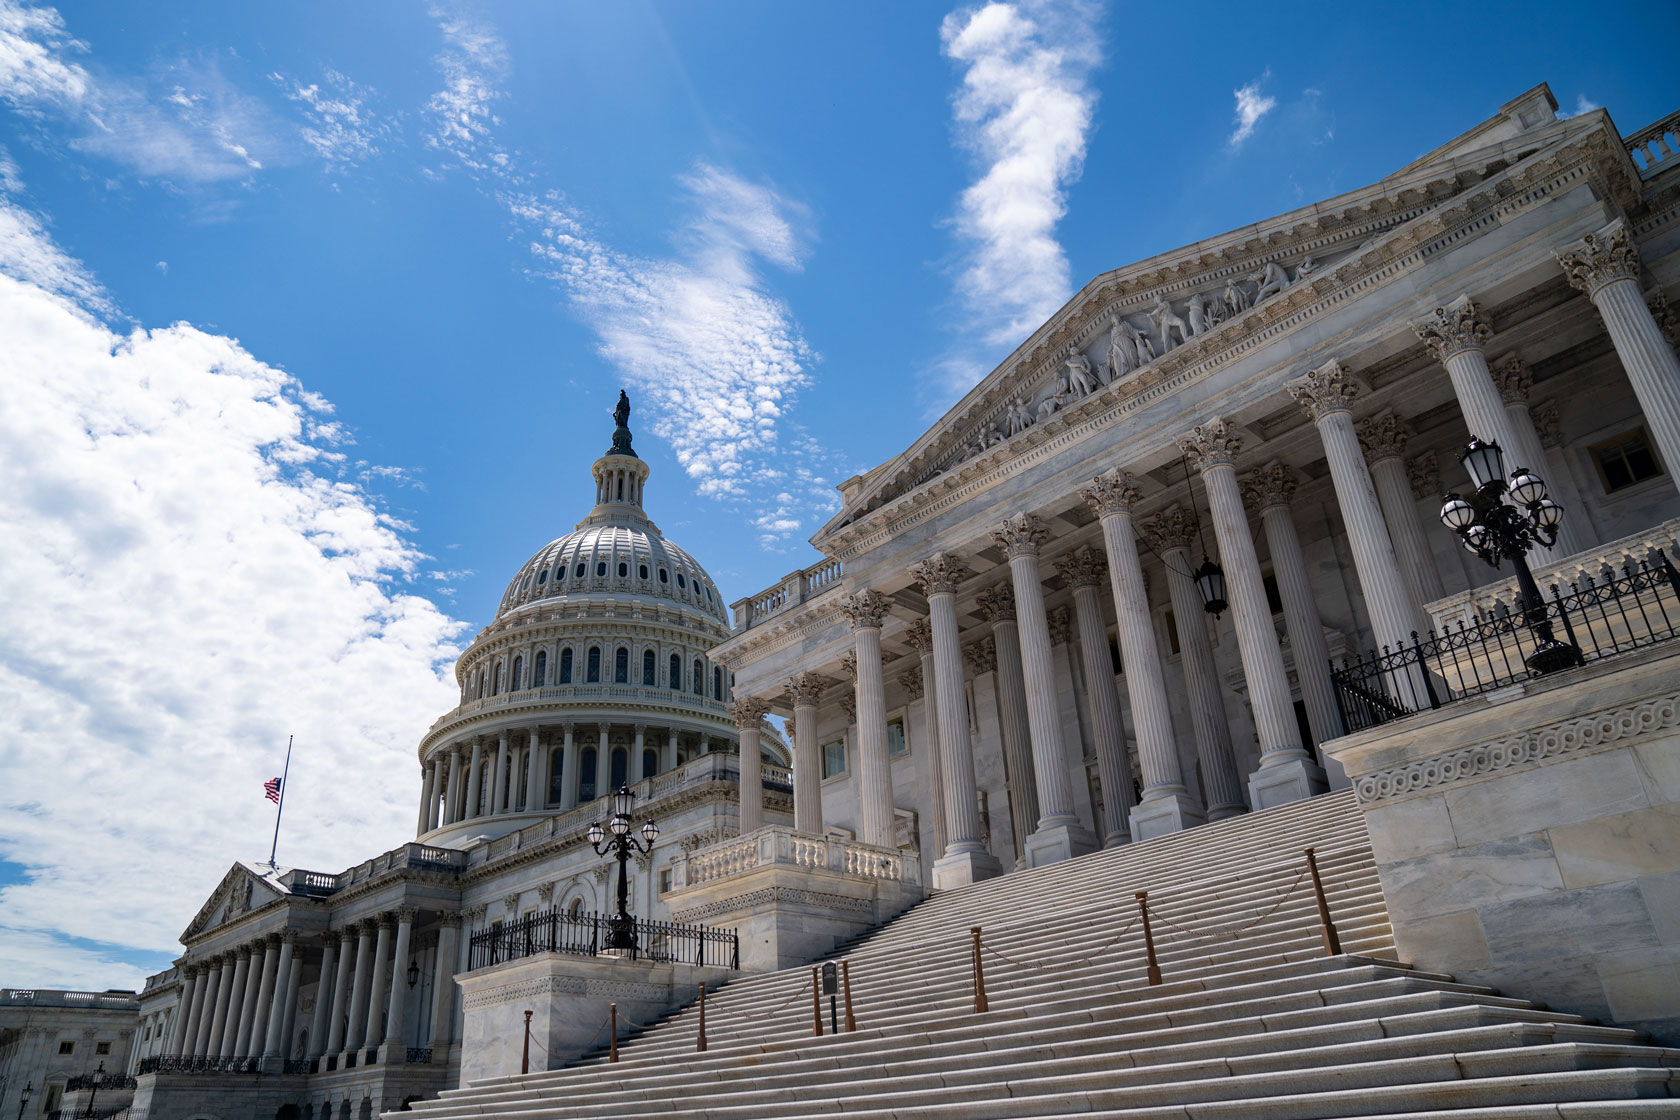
column 413, row 974
column 621, row 927
column 23, row 1100
column 93, row 1093
column 1502, row 519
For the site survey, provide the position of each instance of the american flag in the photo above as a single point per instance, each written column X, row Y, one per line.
column 271, row 789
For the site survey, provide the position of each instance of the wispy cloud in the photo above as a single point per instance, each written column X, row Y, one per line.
column 342, row 129
column 1583, row 104
column 712, row 351
column 1023, row 113
column 1251, row 106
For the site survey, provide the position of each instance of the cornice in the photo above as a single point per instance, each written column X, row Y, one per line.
column 806, row 621
column 454, row 724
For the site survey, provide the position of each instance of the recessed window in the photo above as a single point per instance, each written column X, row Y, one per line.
column 681, row 582
column 1172, row 633
column 699, row 678
column 539, row 673
column 676, row 671
column 518, row 674
column 580, row 570
column 565, row 666
column 586, row 775
column 650, row 668
column 1625, row 460
column 664, row 576
column 664, row 880
column 834, row 758
column 623, row 569
column 897, row 745
column 101, row 1048
column 642, row 571
column 621, row 666
column 601, row 568
column 542, row 576
column 594, row 665
column 67, row 1047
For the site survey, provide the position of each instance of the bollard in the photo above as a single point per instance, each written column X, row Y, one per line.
column 979, row 974
column 816, row 1004
column 1148, row 939
column 612, row 1051
column 700, row 1042
column 525, row 1059
column 1332, row 943
column 846, row 982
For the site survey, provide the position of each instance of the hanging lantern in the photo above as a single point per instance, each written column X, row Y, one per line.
column 1210, row 581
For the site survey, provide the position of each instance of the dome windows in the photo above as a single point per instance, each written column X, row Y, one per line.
column 676, row 673
column 644, row 572
column 565, row 666
column 650, row 669
column 664, row 576
column 623, row 570
column 581, row 569
column 699, row 678
column 539, row 671
column 542, row 577
column 681, row 581
column 594, row 674
column 621, row 666
column 601, row 568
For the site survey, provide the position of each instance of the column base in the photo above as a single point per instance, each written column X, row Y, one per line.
column 1117, row 839
column 1292, row 778
column 1225, row 812
column 1057, row 842
column 1165, row 814
column 959, row 869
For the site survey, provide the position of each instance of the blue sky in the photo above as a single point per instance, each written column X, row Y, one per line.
column 393, row 264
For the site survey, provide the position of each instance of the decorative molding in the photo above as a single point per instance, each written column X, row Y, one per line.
column 1021, row 535
column 1382, row 437
column 1601, row 258
column 848, row 665
column 1272, row 485
column 773, row 896
column 1083, row 568
column 848, row 705
column 911, row 681
column 1520, row 750
column 981, row 656
column 806, row 688
column 1211, row 444
column 1513, row 380
column 1324, row 390
column 1548, row 423
column 1061, row 625
column 940, row 574
column 1459, row 326
column 1171, row 528
column 866, row 609
column 1114, row 491
column 1667, row 322
column 748, row 712
column 920, row 635
column 997, row 603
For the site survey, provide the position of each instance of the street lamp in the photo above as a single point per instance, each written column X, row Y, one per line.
column 93, row 1093
column 1502, row 519
column 28, row 1087
column 621, row 927
column 413, row 973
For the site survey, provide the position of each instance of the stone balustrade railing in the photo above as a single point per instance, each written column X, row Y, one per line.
column 777, row 844
column 54, row 997
column 795, row 588
column 1656, row 147
column 1496, row 599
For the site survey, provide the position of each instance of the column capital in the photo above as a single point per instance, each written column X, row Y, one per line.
column 848, row 664
column 1021, row 535
column 866, row 609
column 1210, row 444
column 329, row 939
column 1459, row 326
column 788, row 728
column 806, row 688
column 1600, row 258
column 1083, row 568
column 1382, row 437
column 940, row 574
column 848, row 704
column 1664, row 315
column 1513, row 380
column 1061, row 625
column 385, row 920
column 981, row 656
column 1114, row 491
column 406, row 913
column 347, row 934
column 1324, row 390
column 1171, row 528
column 1272, row 485
column 748, row 712
column 449, row 919
column 911, row 680
column 1424, row 473
column 920, row 635
column 640, row 728
column 997, row 603
column 1548, row 423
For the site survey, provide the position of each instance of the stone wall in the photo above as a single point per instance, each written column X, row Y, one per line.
column 1530, row 839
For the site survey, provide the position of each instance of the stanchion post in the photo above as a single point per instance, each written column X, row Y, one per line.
column 980, row 1003
column 700, row 1041
column 1148, row 939
column 816, row 1004
column 1332, row 943
column 612, row 1044
column 846, row 982
column 525, row 1059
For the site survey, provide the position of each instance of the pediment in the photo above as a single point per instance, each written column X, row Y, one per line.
column 240, row 891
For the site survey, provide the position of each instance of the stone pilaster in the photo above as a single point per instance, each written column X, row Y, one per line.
column 748, row 713
column 866, row 611
column 1086, row 572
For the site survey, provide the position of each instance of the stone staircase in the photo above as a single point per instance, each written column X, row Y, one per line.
column 1252, row 1019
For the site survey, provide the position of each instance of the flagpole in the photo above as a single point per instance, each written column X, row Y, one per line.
column 280, row 806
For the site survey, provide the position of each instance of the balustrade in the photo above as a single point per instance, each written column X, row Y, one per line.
column 1656, row 147
column 776, row 844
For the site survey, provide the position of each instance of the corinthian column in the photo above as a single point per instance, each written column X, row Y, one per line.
column 1605, row 265
column 181, row 1032
column 265, row 996
column 536, row 773
column 499, row 784
column 1170, row 532
column 998, row 605
column 806, row 689
column 1515, row 383
column 356, row 1028
column 274, row 1039
column 215, row 1007
column 428, row 772
column 338, row 1014
column 966, row 859
column 920, row 635
column 248, row 1004
column 1059, row 834
column 1384, row 440
column 394, row 1047
column 1085, row 572
column 865, row 611
column 452, row 797
column 475, row 778
column 236, row 1002
column 1167, row 804
column 748, row 714
column 1287, row 772
column 443, row 986
column 320, row 1025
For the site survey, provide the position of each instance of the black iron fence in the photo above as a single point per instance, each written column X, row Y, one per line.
column 585, row 935
column 160, row 1063
column 1615, row 612
column 105, row 1081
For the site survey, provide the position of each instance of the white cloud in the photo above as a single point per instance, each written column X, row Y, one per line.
column 1582, row 105
column 187, row 581
column 342, row 130
column 1251, row 106
column 1024, row 113
column 473, row 62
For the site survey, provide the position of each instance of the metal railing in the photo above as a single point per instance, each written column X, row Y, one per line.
column 163, row 1063
column 106, row 1081
column 1604, row 615
column 418, row 1056
column 585, row 935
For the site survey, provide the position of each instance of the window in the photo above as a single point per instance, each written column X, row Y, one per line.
column 480, row 684
column 557, row 772
column 620, row 768
column 580, row 570
column 650, row 668
column 682, row 581
column 101, row 1048
column 623, row 569
column 565, row 666
column 834, row 758
column 664, row 880
column 542, row 577
column 1114, row 655
column 518, row 672
column 621, row 666
column 699, row 678
column 650, row 762
column 66, row 1047
column 664, row 576
column 586, row 775
column 897, row 746
column 642, row 571
column 717, row 683
column 601, row 568
column 1624, row 460
column 576, row 908
column 676, row 671
column 594, row 674
column 539, row 673
column 496, row 688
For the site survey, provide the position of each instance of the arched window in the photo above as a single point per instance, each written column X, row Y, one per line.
column 601, row 568
column 542, row 577
column 480, row 684
column 518, row 672
column 575, row 910
column 586, row 775
column 676, row 671
column 642, row 571
column 664, row 576
column 594, row 674
column 620, row 768
column 650, row 762
column 623, row 569
column 556, row 770
column 699, row 678
column 539, row 675
column 566, row 666
column 496, row 687
column 650, row 668
column 580, row 570
column 717, row 684
column 621, row 666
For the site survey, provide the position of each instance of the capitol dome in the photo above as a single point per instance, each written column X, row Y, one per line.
column 593, row 673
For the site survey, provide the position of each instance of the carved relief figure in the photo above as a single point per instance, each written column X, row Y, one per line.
column 1166, row 321
column 1198, row 314
column 1236, row 300
column 1146, row 348
column 1122, row 349
column 1272, row 280
column 1080, row 379
column 1215, row 312
column 1307, row 268
column 1020, row 417
column 1048, row 406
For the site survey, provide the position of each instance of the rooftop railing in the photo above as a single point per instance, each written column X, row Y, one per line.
column 53, row 997
column 1656, row 147
column 795, row 588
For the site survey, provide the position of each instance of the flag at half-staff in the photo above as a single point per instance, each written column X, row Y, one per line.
column 271, row 789
column 275, row 790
